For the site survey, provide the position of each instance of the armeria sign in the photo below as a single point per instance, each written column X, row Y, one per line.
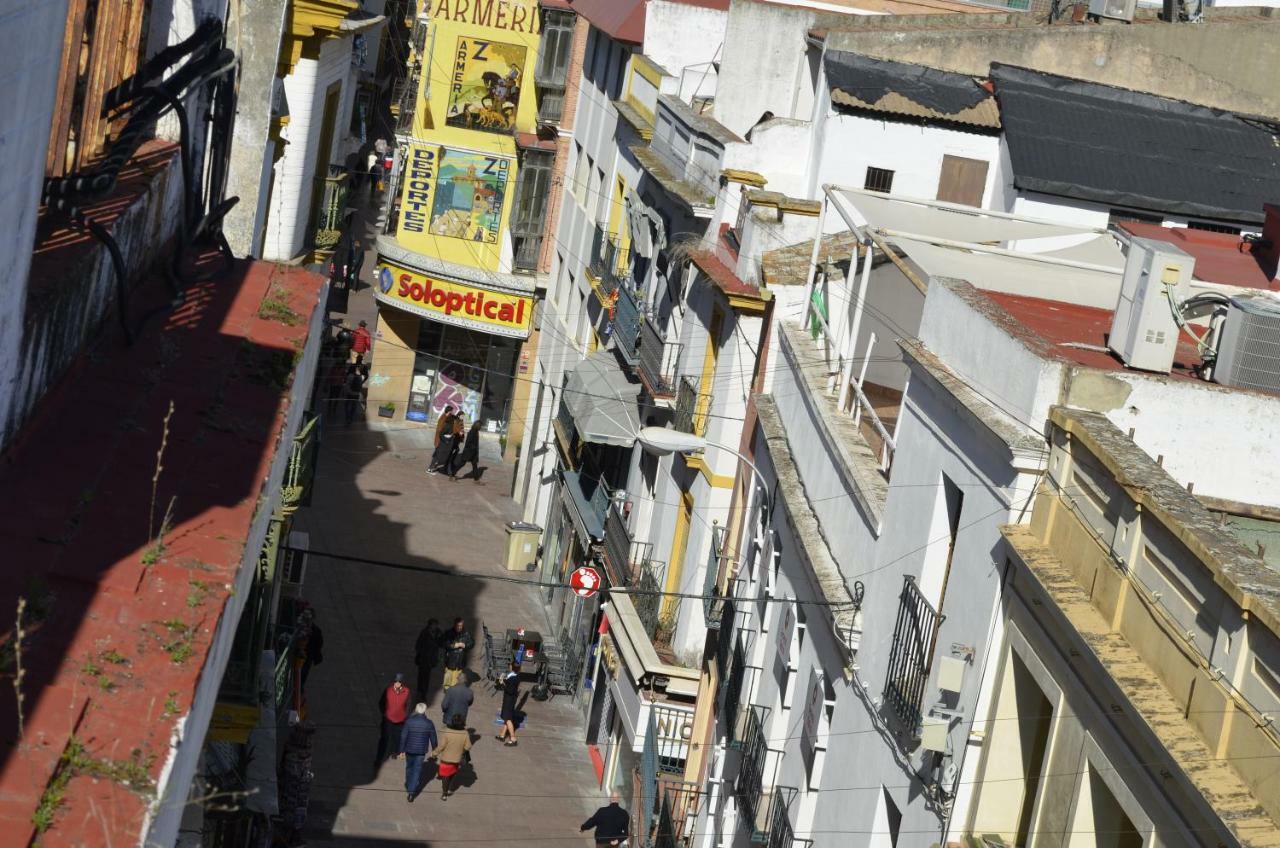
column 501, row 313
column 509, row 15
column 419, row 178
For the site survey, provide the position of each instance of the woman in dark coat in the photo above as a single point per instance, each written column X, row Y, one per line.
column 470, row 452
column 444, row 442
column 510, row 691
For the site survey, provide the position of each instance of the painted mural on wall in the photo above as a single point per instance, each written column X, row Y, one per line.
column 471, row 189
column 459, row 387
column 484, row 92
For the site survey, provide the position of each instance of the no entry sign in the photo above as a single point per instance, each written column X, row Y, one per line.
column 585, row 582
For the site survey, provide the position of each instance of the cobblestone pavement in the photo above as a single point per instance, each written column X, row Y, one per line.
column 374, row 500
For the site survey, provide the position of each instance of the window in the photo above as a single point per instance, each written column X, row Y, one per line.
column 911, row 654
column 945, row 526
column 556, row 47
column 878, row 179
column 528, row 217
column 105, row 41
column 597, row 196
column 615, row 90
column 600, row 60
column 581, row 175
column 962, row 180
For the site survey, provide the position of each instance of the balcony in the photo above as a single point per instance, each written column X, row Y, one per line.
column 679, row 806
column 773, row 829
column 527, row 248
column 749, row 785
column 911, row 655
column 672, row 730
column 626, row 325
column 550, row 104
column 333, row 189
column 622, row 554
column 692, row 407
column 590, row 499
column 658, row 358
column 403, row 102
column 713, row 603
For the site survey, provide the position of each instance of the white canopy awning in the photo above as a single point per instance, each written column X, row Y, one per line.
column 944, row 220
column 603, row 402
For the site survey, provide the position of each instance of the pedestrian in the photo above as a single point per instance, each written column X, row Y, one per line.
column 361, row 342
column 510, row 692
column 373, row 172
column 312, row 644
column 354, row 391
column 354, row 262
column 611, row 823
column 459, row 432
column 456, row 642
column 454, row 748
column 426, row 653
column 470, row 453
column 444, row 441
column 458, row 699
column 394, row 707
column 417, row 739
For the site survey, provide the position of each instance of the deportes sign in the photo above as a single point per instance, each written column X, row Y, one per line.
column 585, row 582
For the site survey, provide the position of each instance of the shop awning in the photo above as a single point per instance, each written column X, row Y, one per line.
column 603, row 401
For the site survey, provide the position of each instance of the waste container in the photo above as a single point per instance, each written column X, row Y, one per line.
column 522, row 545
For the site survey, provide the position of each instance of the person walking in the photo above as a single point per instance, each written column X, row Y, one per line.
column 361, row 342
column 458, row 699
column 373, row 164
column 394, row 707
column 454, row 747
column 312, row 644
column 354, row 391
column 470, row 453
column 456, row 643
column 354, row 262
column 611, row 823
column 417, row 739
column 444, row 441
column 426, row 653
column 510, row 692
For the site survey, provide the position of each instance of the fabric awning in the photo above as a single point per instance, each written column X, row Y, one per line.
column 604, row 403
column 914, row 215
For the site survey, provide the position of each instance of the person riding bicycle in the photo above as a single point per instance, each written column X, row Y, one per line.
column 612, row 824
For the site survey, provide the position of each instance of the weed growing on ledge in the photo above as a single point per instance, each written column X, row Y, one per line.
column 199, row 591
column 170, row 706
column 275, row 307
column 133, row 773
column 178, row 641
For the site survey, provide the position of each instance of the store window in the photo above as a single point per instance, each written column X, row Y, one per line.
column 468, row 370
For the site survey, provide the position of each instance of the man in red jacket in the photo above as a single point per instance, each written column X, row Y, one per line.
column 361, row 342
column 394, row 706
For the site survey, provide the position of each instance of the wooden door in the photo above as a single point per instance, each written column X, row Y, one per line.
column 963, row 180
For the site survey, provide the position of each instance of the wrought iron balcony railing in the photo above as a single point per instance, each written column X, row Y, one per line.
column 712, row 601
column 333, row 188
column 692, row 407
column 673, row 728
column 749, row 785
column 550, row 104
column 658, row 358
column 626, row 324
column 527, row 248
column 774, row 830
column 679, row 806
column 910, row 657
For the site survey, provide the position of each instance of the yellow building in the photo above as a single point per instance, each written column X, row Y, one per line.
column 455, row 318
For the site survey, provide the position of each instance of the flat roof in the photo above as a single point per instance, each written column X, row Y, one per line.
column 1220, row 257
column 623, row 20
column 104, row 607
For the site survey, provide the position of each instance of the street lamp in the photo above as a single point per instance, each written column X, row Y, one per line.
column 661, row 441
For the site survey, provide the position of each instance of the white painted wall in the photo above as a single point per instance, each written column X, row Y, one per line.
column 678, row 36
column 763, row 66
column 296, row 171
column 30, row 40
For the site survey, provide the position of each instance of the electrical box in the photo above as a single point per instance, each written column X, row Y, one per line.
column 1144, row 332
column 1117, row 10
column 933, row 733
column 522, row 546
column 1249, row 347
column 951, row 674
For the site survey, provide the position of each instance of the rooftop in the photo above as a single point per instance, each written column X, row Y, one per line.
column 623, row 20
column 915, row 91
column 209, row 387
column 1220, row 257
column 1096, row 142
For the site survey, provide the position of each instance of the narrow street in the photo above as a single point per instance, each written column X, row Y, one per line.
column 373, row 499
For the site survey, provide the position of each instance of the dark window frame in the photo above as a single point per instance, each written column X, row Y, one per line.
column 878, row 179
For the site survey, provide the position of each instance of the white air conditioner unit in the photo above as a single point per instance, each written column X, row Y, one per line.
column 293, row 564
column 1249, row 349
column 1144, row 332
column 1119, row 10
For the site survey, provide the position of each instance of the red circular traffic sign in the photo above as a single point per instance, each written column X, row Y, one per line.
column 585, row 582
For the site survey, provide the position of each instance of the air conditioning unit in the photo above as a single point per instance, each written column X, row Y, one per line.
column 1144, row 332
column 1119, row 10
column 293, row 564
column 1249, row 347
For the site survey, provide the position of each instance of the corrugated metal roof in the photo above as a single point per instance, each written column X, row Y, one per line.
column 1094, row 142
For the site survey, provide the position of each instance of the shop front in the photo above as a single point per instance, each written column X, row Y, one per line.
column 443, row 342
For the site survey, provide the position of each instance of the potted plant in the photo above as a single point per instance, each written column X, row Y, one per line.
column 387, row 410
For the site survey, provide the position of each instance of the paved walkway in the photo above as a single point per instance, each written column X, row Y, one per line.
column 372, row 499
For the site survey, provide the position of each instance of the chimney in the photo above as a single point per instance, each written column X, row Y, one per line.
column 1267, row 252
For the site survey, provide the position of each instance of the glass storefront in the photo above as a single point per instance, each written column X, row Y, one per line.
column 466, row 369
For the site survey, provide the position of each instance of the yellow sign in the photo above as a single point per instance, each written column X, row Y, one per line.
column 500, row 313
column 485, row 90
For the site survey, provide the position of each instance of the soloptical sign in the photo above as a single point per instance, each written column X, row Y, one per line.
column 499, row 312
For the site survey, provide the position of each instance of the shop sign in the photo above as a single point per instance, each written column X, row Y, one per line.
column 785, row 632
column 510, row 15
column 449, row 302
column 233, row 722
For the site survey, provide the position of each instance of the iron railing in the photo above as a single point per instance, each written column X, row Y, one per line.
column 774, row 828
column 679, row 808
column 333, row 203
column 750, row 781
column 621, row 552
column 911, row 655
column 564, row 421
column 692, row 407
column 648, row 578
column 550, row 104
column 626, row 324
column 712, row 600
column 284, row 676
column 731, row 695
column 673, row 729
column 404, row 97
column 528, row 248
column 658, row 359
